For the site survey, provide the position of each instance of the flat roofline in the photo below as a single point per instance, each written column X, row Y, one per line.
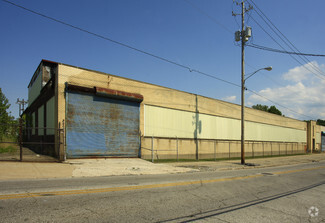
column 100, row 72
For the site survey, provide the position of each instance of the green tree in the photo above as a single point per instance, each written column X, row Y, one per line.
column 266, row 108
column 320, row 122
column 261, row 107
column 274, row 110
column 5, row 118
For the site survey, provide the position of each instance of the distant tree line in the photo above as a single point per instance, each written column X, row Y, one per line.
column 320, row 122
column 272, row 109
column 7, row 121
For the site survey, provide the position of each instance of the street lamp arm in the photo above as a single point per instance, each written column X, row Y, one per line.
column 265, row 68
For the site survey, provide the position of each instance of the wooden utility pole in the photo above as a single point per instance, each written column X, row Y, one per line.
column 243, row 37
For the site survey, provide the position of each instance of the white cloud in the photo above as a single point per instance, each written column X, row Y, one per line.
column 304, row 94
column 300, row 73
column 230, row 98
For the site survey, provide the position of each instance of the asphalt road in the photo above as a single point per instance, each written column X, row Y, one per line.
column 281, row 194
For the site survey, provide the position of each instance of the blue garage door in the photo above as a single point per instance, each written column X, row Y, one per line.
column 100, row 126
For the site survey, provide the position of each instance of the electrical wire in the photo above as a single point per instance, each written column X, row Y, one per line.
column 319, row 76
column 282, row 34
column 287, row 42
column 138, row 50
column 271, row 79
column 218, row 23
column 283, row 51
column 123, row 44
column 224, row 103
column 280, row 104
column 208, row 16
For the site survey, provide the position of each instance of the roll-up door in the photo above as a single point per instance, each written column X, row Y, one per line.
column 101, row 126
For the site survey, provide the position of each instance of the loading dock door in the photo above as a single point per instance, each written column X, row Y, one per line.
column 100, row 126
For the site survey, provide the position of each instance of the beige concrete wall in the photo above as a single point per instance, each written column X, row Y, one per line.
column 225, row 109
column 169, row 98
column 318, row 137
column 322, row 128
column 187, row 104
column 153, row 94
column 312, row 135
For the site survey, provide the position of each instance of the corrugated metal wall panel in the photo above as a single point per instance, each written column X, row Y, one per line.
column 213, row 127
column 164, row 122
column 98, row 126
column 41, row 120
column 169, row 122
column 50, row 105
column 263, row 132
column 33, row 123
column 35, row 89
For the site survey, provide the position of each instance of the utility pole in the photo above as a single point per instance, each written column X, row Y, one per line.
column 21, row 105
column 242, row 151
column 21, row 110
column 243, row 35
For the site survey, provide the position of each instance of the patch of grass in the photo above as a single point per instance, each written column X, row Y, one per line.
column 8, row 149
column 190, row 160
column 9, row 139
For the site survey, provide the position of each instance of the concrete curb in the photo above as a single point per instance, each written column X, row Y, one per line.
column 114, row 167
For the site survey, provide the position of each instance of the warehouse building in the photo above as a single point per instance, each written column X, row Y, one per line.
column 104, row 115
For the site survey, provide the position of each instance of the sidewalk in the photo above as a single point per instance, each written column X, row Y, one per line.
column 110, row 167
column 252, row 163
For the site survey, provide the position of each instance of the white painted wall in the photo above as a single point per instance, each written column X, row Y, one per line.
column 164, row 122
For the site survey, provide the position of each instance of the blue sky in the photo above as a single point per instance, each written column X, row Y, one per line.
column 175, row 30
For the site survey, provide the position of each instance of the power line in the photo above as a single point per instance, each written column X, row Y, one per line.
column 223, row 26
column 279, row 104
column 283, row 51
column 319, row 76
column 286, row 41
column 218, row 23
column 208, row 16
column 122, row 44
column 166, row 103
column 138, row 50
column 283, row 35
column 271, row 79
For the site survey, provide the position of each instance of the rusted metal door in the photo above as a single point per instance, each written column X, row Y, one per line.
column 100, row 126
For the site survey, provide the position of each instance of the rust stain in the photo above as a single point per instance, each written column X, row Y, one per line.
column 119, row 93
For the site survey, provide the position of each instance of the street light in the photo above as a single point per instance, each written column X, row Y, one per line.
column 243, row 111
column 265, row 68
